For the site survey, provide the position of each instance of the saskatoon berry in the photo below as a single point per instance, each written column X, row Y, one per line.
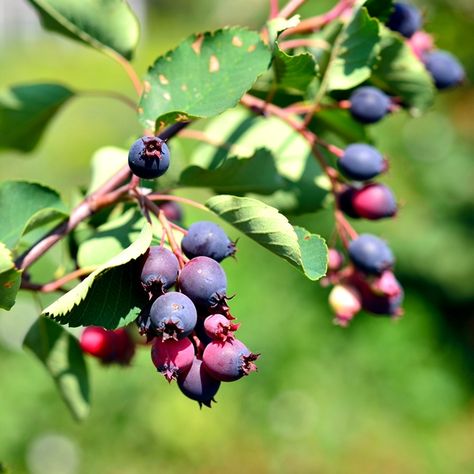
column 380, row 304
column 219, row 328
column 204, row 281
column 335, row 260
column 374, row 201
column 173, row 315
column 228, row 361
column 386, row 285
column 160, row 270
column 361, row 162
column 369, row 104
column 444, row 68
column 149, row 157
column 198, row 385
column 345, row 301
column 344, row 201
column 172, row 357
column 207, row 239
column 406, row 19
column 370, row 254
column 172, row 211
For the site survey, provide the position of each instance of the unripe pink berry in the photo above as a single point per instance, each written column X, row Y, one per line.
column 335, row 260
column 420, row 43
column 218, row 327
column 345, row 301
column 172, row 357
column 374, row 201
column 386, row 285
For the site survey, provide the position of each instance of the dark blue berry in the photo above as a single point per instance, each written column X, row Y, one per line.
column 198, row 385
column 204, row 281
column 207, row 239
column 173, row 315
column 361, row 162
column 370, row 254
column 369, row 104
column 444, row 68
column 406, row 19
column 160, row 270
column 149, row 157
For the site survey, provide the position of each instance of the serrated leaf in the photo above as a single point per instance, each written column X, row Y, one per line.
column 62, row 357
column 25, row 112
column 10, row 278
column 102, row 24
column 204, row 76
column 269, row 228
column 111, row 296
column 294, row 72
column 277, row 25
column 354, row 52
column 25, row 206
column 257, row 174
column 401, row 73
column 380, row 9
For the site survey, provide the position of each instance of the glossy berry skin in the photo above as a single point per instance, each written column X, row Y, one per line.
column 374, row 201
column 406, row 19
column 171, row 357
column 207, row 239
column 149, row 157
column 198, row 385
column 160, row 270
column 219, row 328
column 346, row 302
column 361, row 162
column 204, row 281
column 369, row 104
column 370, row 254
column 386, row 285
column 228, row 361
column 420, row 43
column 444, row 68
column 173, row 315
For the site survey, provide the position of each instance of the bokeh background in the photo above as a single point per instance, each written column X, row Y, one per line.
column 381, row 396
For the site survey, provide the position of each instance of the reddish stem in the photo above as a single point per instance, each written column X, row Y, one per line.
column 57, row 284
column 291, row 7
column 182, row 200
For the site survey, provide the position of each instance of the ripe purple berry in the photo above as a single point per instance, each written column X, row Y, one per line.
column 173, row 315
column 374, row 201
column 207, row 239
column 160, row 270
column 369, row 104
column 445, row 69
column 370, row 254
column 219, row 328
column 149, row 157
column 171, row 357
column 361, row 162
column 228, row 361
column 198, row 385
column 204, row 281
column 406, row 19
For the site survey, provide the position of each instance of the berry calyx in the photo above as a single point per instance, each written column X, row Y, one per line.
column 172, row 357
column 207, row 239
column 173, row 315
column 160, row 270
column 149, row 157
column 445, row 69
column 373, row 201
column 369, row 104
column 370, row 254
column 219, row 328
column 405, row 18
column 361, row 162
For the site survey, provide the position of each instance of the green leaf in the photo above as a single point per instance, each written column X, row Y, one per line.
column 401, row 73
column 62, row 357
column 257, row 174
column 111, row 296
column 294, row 72
column 269, row 228
column 380, row 9
column 25, row 206
column 353, row 53
column 277, row 25
column 25, row 112
column 10, row 279
column 341, row 123
column 204, row 76
column 107, row 25
column 106, row 162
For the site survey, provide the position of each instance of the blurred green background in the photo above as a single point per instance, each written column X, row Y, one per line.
column 381, row 396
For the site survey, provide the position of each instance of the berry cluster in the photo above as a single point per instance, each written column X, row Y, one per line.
column 368, row 281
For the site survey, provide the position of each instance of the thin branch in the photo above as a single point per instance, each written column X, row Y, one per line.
column 274, row 7
column 291, row 7
column 182, row 200
column 128, row 68
column 59, row 283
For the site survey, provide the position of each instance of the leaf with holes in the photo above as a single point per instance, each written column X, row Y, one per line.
column 204, row 76
column 111, row 296
column 269, row 228
column 26, row 206
column 401, row 73
column 354, row 52
column 62, row 357
column 10, row 279
column 25, row 112
column 107, row 25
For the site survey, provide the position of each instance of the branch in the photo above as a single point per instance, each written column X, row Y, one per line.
column 58, row 284
column 290, row 8
column 128, row 68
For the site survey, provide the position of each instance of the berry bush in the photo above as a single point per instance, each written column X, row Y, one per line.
column 282, row 116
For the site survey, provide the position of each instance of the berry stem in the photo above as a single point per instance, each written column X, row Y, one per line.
column 274, row 7
column 182, row 200
column 128, row 68
column 291, row 7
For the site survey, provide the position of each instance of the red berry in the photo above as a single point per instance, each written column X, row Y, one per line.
column 172, row 357
column 98, row 342
column 219, row 328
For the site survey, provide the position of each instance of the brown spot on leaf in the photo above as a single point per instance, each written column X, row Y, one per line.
column 140, row 110
column 307, row 237
column 184, row 87
column 236, row 41
column 251, row 48
column 146, row 86
column 163, row 79
column 8, row 284
column 213, row 64
column 197, row 43
column 167, row 96
column 182, row 118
